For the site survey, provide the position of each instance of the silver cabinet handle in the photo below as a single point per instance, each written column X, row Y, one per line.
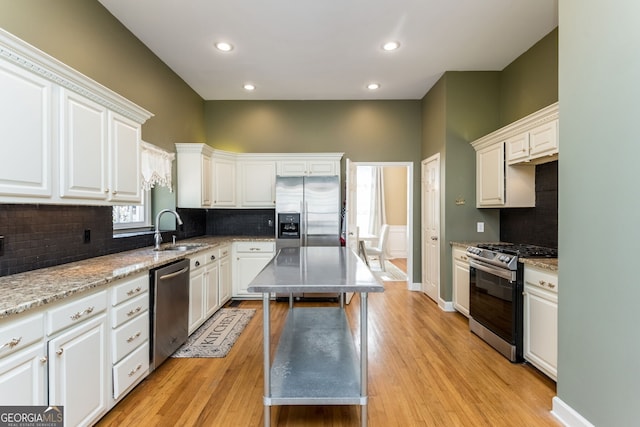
column 134, row 311
column 14, row 342
column 133, row 337
column 134, row 291
column 134, row 370
column 80, row 314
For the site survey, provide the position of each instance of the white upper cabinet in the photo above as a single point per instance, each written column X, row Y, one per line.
column 257, row 183
column 58, row 122
column 26, row 120
column 124, row 146
column 83, row 148
column 224, row 180
column 195, row 177
column 505, row 176
column 311, row 165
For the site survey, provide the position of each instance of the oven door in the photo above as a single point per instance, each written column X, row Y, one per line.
column 492, row 299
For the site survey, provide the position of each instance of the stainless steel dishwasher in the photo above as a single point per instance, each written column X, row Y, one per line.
column 169, row 310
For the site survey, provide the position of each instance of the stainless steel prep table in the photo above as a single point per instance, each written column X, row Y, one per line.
column 316, row 362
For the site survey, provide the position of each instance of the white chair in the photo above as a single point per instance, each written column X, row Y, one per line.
column 379, row 250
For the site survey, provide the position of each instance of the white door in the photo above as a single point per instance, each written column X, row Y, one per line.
column 431, row 226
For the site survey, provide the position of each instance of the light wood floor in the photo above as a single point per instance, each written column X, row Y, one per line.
column 425, row 369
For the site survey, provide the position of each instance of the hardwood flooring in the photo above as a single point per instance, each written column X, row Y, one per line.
column 425, row 369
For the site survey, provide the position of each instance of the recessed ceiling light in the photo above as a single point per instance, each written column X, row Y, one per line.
column 389, row 46
column 224, row 46
column 373, row 86
column 249, row 87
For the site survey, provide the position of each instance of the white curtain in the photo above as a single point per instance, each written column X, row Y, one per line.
column 155, row 166
column 377, row 215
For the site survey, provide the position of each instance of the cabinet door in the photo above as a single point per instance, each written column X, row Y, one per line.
column 78, row 372
column 247, row 268
column 544, row 139
column 292, row 168
column 517, row 148
column 124, row 142
column 322, row 168
column 207, row 181
column 490, row 175
column 26, row 119
column 212, row 281
column 461, row 286
column 196, row 300
column 23, row 377
column 224, row 182
column 225, row 279
column 257, row 184
column 541, row 330
column 83, row 148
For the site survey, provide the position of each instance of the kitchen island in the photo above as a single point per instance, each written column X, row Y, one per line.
column 316, row 362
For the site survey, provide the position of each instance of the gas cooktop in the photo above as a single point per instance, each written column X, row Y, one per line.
column 521, row 250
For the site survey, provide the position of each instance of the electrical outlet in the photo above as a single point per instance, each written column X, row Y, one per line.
column 480, row 227
column 87, row 236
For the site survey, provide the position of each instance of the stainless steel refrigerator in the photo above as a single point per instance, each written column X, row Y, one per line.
column 307, row 211
column 307, row 214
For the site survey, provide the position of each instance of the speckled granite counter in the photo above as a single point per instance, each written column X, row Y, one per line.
column 544, row 263
column 25, row 291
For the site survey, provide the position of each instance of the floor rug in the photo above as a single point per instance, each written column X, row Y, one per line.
column 217, row 335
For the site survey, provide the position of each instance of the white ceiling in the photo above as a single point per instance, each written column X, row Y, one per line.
column 331, row 49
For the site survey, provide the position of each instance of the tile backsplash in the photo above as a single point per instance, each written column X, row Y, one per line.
column 539, row 225
column 39, row 236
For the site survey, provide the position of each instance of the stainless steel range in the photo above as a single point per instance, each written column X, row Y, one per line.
column 495, row 293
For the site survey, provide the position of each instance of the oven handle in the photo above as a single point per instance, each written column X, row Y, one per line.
column 505, row 274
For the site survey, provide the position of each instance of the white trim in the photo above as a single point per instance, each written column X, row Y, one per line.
column 567, row 415
column 446, row 305
column 28, row 57
column 412, row 286
column 397, row 241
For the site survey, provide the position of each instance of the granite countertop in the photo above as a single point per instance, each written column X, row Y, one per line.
column 31, row 289
column 550, row 264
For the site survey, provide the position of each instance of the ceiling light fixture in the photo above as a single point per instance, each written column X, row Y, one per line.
column 224, row 46
column 389, row 46
column 373, row 86
column 249, row 87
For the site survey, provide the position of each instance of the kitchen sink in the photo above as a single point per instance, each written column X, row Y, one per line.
column 183, row 247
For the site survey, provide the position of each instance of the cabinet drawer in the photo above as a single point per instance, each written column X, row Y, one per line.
column 129, row 336
column 460, row 254
column 17, row 335
column 251, row 247
column 130, row 369
column 129, row 288
column 541, row 278
column 196, row 260
column 224, row 251
column 129, row 310
column 211, row 256
column 75, row 312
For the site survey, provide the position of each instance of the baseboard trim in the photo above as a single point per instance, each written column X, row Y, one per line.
column 445, row 305
column 567, row 415
column 414, row 286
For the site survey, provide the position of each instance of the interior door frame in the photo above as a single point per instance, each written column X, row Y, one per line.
column 352, row 234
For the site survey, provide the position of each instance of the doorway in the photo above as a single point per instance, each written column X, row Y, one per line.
column 430, row 226
column 397, row 212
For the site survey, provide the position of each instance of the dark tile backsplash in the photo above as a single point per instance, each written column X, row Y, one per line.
column 539, row 225
column 241, row 222
column 39, row 236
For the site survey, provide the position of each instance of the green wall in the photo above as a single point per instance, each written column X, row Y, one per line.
column 85, row 36
column 599, row 293
column 464, row 106
column 366, row 131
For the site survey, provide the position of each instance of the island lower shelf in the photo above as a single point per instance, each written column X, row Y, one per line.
column 316, row 362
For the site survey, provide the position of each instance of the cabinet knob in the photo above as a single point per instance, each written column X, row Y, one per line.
column 213, row 257
column 60, row 351
column 44, row 359
column 197, row 263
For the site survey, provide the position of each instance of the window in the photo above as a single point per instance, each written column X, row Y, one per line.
column 133, row 216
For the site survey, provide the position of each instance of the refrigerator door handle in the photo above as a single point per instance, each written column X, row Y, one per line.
column 304, row 223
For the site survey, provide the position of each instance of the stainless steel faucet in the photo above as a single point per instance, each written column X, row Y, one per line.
column 157, row 237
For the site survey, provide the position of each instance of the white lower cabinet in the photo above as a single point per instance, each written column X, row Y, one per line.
column 461, row 281
column 224, row 285
column 23, row 362
column 541, row 320
column 78, row 368
column 204, row 289
column 249, row 259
